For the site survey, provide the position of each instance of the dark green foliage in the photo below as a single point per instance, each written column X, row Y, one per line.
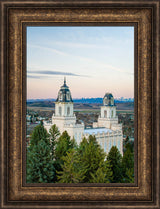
column 103, row 174
column 126, row 140
column 39, row 133
column 72, row 171
column 40, row 168
column 115, row 159
column 86, row 164
column 128, row 160
column 128, row 163
column 128, row 144
column 128, row 131
column 82, row 145
column 129, row 175
column 54, row 133
column 91, row 155
column 40, row 165
column 56, row 158
column 63, row 144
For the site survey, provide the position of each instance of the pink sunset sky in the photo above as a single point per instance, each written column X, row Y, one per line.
column 94, row 60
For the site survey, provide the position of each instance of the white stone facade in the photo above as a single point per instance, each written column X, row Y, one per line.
column 107, row 130
column 107, row 139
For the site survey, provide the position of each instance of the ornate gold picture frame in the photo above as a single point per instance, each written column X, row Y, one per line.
column 15, row 17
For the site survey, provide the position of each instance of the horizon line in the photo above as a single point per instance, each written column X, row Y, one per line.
column 82, row 98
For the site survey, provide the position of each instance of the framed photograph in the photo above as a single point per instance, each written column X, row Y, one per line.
column 80, row 102
column 80, row 82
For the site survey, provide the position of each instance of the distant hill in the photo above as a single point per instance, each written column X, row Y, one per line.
column 79, row 104
column 39, row 100
column 97, row 100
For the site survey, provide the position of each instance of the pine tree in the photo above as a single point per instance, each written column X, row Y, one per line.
column 82, row 145
column 129, row 175
column 91, row 156
column 40, row 166
column 54, row 133
column 128, row 165
column 128, row 144
column 71, row 169
column 39, row 133
column 115, row 159
column 63, row 144
column 103, row 174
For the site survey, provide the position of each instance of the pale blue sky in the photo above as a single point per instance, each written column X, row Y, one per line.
column 94, row 60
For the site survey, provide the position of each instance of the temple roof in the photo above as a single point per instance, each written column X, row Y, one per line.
column 108, row 100
column 64, row 94
column 97, row 130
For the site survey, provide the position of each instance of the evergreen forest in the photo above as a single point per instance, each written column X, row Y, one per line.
column 56, row 158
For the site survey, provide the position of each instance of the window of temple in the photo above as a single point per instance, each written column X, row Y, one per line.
column 68, row 110
column 105, row 146
column 112, row 101
column 68, row 97
column 105, row 113
column 60, row 96
column 112, row 113
column 60, row 110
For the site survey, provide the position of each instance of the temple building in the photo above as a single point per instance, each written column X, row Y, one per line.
column 107, row 130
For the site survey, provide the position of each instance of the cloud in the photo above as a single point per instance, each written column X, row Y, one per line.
column 88, row 59
column 54, row 73
column 34, row 76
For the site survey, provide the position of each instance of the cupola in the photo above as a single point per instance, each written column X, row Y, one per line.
column 108, row 100
column 64, row 94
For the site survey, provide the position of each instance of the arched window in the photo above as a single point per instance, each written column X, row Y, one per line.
column 68, row 110
column 68, row 96
column 60, row 96
column 112, row 101
column 60, row 110
column 105, row 113
column 112, row 113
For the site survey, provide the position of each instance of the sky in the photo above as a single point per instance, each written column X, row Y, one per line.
column 94, row 60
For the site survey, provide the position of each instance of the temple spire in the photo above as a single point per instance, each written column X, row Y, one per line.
column 65, row 80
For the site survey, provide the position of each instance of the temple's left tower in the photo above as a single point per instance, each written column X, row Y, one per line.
column 64, row 117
